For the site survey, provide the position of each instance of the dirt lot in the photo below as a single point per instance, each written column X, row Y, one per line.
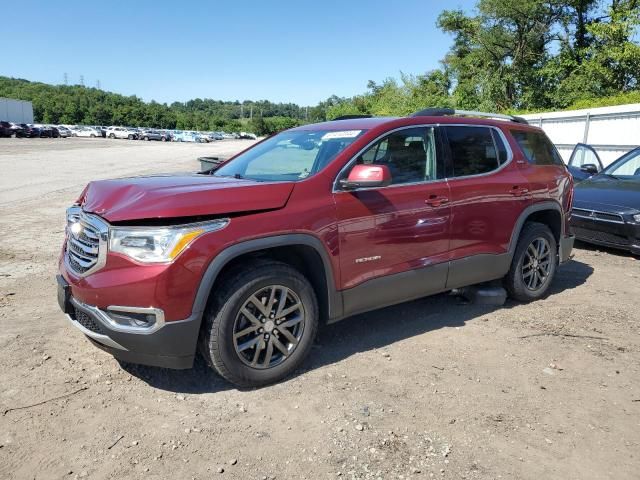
column 430, row 389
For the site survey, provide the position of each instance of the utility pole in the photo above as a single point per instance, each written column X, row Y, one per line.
column 66, row 78
column 82, row 80
column 251, row 113
column 241, row 110
column 98, row 84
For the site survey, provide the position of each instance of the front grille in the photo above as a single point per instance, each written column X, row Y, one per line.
column 597, row 215
column 86, row 321
column 83, row 244
column 598, row 236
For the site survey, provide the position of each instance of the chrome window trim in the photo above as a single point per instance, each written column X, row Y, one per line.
column 507, row 147
column 336, row 188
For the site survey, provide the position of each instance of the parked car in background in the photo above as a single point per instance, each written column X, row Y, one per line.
column 100, row 129
column 64, row 131
column 167, row 135
column 121, row 132
column 6, row 129
column 27, row 131
column 242, row 264
column 188, row 136
column 215, row 136
column 151, row 135
column 584, row 162
column 87, row 132
column 247, row 136
column 606, row 207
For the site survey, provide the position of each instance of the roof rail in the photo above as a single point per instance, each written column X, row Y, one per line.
column 441, row 112
column 351, row 117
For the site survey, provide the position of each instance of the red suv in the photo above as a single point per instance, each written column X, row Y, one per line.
column 310, row 226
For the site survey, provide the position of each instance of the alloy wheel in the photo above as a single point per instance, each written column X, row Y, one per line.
column 536, row 265
column 268, row 327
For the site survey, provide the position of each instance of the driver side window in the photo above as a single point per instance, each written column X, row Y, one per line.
column 410, row 155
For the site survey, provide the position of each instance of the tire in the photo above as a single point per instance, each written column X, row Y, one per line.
column 112, row 136
column 130, row 137
column 92, row 136
column 164, row 139
column 223, row 318
column 529, row 278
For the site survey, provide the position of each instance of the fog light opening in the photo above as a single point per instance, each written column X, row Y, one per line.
column 131, row 319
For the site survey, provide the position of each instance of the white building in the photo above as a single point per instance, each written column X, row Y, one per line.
column 612, row 131
column 16, row 111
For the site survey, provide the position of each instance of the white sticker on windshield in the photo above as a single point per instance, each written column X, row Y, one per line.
column 342, row 134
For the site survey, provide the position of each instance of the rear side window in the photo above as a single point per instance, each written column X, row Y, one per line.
column 474, row 150
column 537, row 148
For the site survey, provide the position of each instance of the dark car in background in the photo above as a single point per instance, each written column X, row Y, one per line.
column 606, row 208
column 6, row 129
column 27, row 131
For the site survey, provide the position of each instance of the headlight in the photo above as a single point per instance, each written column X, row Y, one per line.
column 158, row 245
column 636, row 218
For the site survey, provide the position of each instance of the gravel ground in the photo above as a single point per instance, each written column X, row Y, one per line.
column 435, row 388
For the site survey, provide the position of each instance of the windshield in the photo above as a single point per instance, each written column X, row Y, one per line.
column 626, row 166
column 290, row 156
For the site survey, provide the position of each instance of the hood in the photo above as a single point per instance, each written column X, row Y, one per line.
column 188, row 195
column 616, row 194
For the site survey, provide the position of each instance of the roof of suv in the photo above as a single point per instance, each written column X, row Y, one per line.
column 374, row 122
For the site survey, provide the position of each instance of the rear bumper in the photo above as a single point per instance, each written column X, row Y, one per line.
column 565, row 248
column 172, row 345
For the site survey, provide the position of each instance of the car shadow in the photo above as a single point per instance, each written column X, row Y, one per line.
column 361, row 333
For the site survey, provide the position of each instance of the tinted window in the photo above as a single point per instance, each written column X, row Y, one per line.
column 538, row 148
column 410, row 155
column 473, row 150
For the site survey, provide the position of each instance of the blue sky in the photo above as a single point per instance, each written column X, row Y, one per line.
column 284, row 50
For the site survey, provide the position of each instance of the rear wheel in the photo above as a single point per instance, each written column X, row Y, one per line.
column 260, row 324
column 130, row 137
column 112, row 136
column 534, row 263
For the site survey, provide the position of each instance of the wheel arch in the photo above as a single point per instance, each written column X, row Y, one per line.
column 548, row 213
column 302, row 251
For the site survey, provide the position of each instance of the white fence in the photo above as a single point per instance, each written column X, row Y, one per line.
column 612, row 131
column 17, row 111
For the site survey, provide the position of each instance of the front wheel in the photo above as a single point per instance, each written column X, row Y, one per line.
column 130, row 137
column 260, row 325
column 534, row 263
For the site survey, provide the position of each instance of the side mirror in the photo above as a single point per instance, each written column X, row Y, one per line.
column 367, row 176
column 590, row 168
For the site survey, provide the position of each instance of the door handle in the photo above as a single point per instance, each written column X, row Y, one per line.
column 518, row 191
column 436, row 200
